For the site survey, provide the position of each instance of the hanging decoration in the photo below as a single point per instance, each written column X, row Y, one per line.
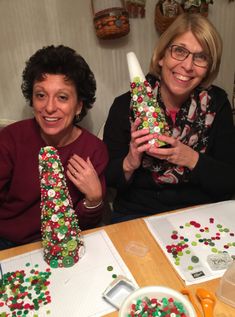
column 197, row 6
column 166, row 11
column 112, row 22
column 136, row 8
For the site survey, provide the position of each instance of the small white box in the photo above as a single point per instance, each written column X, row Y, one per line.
column 118, row 290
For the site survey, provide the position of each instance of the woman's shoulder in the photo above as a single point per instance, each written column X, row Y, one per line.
column 120, row 108
column 122, row 100
column 21, row 124
column 217, row 92
column 20, row 136
column 19, row 128
column 219, row 99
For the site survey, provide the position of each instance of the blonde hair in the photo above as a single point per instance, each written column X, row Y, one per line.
column 205, row 33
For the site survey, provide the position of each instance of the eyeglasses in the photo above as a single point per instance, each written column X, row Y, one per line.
column 180, row 53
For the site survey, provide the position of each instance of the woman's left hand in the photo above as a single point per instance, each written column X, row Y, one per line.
column 178, row 153
column 84, row 177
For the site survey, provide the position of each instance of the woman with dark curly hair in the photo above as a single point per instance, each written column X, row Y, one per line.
column 60, row 87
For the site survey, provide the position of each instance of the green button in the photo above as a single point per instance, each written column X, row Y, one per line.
column 68, row 261
column 65, row 252
column 71, row 245
column 54, row 264
column 61, row 221
column 63, row 229
column 194, row 259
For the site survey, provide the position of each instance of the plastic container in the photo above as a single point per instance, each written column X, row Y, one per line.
column 226, row 290
column 118, row 290
column 157, row 292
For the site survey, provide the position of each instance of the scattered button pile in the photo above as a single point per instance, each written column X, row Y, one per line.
column 61, row 239
column 24, row 294
column 144, row 106
column 151, row 307
column 196, row 234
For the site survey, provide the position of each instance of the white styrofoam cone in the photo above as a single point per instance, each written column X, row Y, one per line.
column 134, row 67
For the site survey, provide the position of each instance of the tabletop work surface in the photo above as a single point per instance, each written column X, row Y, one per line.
column 144, row 258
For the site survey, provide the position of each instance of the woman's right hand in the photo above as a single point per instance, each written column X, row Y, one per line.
column 138, row 145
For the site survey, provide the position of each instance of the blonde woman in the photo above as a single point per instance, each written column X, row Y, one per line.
column 198, row 166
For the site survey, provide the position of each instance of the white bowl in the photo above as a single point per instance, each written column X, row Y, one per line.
column 156, row 292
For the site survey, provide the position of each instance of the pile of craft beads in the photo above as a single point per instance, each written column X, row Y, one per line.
column 151, row 307
column 61, row 240
column 144, row 106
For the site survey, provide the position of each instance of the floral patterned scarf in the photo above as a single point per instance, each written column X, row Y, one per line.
column 192, row 127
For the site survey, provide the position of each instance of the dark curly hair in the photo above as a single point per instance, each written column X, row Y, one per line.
column 65, row 61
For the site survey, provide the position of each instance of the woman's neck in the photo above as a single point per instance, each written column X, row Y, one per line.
column 171, row 102
column 62, row 139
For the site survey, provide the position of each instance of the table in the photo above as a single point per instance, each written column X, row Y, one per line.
column 151, row 269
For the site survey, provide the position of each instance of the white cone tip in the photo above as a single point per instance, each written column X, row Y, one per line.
column 135, row 70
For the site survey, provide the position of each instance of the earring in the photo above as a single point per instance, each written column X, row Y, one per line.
column 76, row 119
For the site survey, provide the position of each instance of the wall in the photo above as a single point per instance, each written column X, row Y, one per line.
column 27, row 25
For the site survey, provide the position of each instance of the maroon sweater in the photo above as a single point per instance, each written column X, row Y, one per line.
column 20, row 215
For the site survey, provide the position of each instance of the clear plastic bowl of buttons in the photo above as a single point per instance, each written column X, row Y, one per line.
column 226, row 289
column 156, row 298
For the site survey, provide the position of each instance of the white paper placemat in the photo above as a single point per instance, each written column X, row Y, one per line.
column 190, row 236
column 75, row 291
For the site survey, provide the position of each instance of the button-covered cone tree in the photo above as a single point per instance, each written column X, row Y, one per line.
column 61, row 239
column 144, row 104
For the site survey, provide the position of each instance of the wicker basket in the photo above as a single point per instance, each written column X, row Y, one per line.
column 111, row 23
column 162, row 22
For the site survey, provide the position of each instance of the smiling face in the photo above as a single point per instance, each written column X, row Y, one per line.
column 55, row 104
column 179, row 78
